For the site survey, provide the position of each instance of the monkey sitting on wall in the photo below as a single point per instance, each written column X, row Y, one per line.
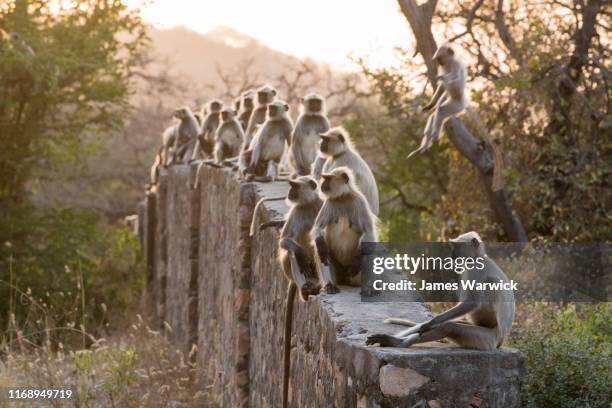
column 269, row 143
column 336, row 147
column 344, row 222
column 304, row 141
column 265, row 95
column 167, row 150
column 296, row 255
column 448, row 99
column 206, row 139
column 186, row 133
column 246, row 108
column 229, row 136
column 490, row 312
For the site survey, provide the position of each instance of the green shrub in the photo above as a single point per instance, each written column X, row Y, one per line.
column 568, row 360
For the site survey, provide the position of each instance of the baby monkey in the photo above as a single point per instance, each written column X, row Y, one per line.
column 490, row 313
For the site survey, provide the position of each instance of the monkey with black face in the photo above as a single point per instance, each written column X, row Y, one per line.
column 337, row 149
column 246, row 108
column 296, row 255
column 265, row 95
column 344, row 222
column 269, row 143
column 206, row 140
column 168, row 140
column 305, row 139
column 448, row 99
column 186, row 134
column 490, row 313
column 229, row 136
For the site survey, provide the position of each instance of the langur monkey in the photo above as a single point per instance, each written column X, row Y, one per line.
column 229, row 136
column 344, row 222
column 265, row 95
column 168, row 137
column 296, row 256
column 186, row 133
column 206, row 139
column 306, row 135
column 336, row 147
column 246, row 108
column 448, row 99
column 269, row 143
column 490, row 312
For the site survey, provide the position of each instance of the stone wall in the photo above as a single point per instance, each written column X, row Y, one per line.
column 201, row 237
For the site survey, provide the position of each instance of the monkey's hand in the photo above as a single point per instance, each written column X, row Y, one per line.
column 428, row 107
column 425, row 327
column 383, row 340
column 308, row 289
column 322, row 249
column 331, row 288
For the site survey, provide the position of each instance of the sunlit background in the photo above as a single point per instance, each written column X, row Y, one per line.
column 325, row 30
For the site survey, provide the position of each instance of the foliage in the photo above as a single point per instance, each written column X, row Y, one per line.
column 68, row 265
column 385, row 128
column 65, row 72
column 539, row 94
column 138, row 369
column 567, row 359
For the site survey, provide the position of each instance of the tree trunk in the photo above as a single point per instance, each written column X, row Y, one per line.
column 419, row 17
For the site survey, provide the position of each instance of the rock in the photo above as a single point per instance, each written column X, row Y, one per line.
column 400, row 382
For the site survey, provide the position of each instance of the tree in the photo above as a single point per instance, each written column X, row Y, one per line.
column 478, row 152
column 65, row 81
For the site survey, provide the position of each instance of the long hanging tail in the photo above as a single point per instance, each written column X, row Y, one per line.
column 478, row 129
column 287, row 357
column 253, row 228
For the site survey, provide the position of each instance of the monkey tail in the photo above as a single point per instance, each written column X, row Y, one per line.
column 253, row 228
column 287, row 352
column 402, row 322
column 480, row 132
column 196, row 183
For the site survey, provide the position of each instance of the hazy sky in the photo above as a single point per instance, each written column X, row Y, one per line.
column 326, row 30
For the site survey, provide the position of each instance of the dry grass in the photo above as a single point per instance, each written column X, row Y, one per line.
column 138, row 368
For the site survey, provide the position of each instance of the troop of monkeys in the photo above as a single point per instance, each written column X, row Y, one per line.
column 333, row 199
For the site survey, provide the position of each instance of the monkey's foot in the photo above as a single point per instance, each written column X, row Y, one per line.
column 264, row 179
column 369, row 291
column 331, row 288
column 308, row 289
column 383, row 340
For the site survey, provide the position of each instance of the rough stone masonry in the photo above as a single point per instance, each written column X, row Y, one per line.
column 223, row 291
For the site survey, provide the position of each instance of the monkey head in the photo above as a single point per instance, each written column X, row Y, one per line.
column 265, row 95
column 312, row 103
column 338, row 182
column 277, row 110
column 468, row 245
column 228, row 114
column 182, row 112
column 302, row 190
column 215, row 106
column 334, row 142
column 444, row 54
column 248, row 100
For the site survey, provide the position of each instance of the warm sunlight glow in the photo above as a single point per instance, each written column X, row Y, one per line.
column 325, row 30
